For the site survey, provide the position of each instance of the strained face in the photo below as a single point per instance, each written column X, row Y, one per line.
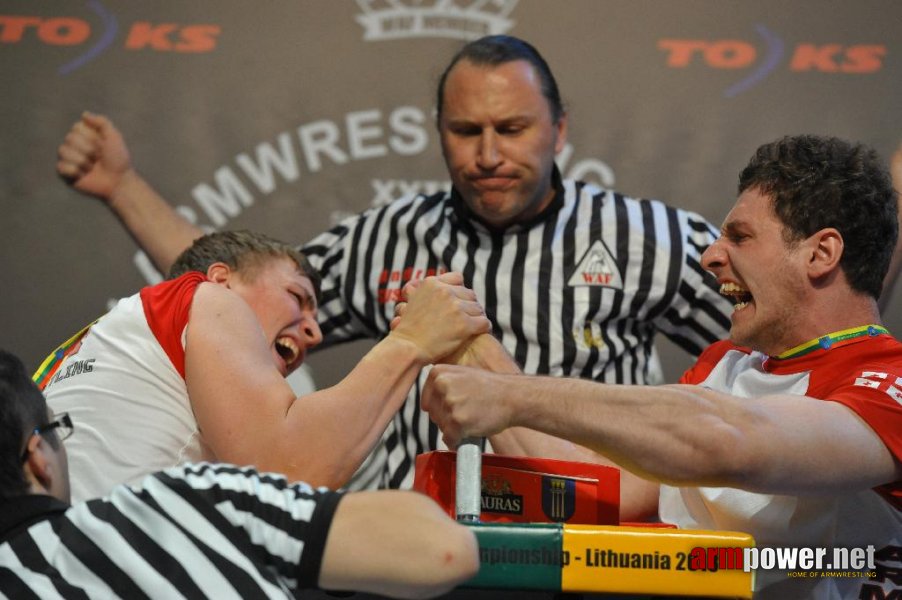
column 762, row 274
column 284, row 301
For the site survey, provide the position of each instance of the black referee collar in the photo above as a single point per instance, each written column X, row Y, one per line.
column 21, row 512
column 465, row 215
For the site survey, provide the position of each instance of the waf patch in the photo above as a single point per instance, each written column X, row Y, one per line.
column 597, row 268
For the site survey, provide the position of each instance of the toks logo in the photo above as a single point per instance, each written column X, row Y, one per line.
column 73, row 31
column 739, row 54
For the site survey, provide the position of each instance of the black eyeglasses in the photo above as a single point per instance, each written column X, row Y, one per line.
column 62, row 423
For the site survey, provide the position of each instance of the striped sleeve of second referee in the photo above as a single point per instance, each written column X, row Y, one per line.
column 256, row 529
column 698, row 315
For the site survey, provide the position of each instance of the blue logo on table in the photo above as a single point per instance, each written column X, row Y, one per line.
column 558, row 498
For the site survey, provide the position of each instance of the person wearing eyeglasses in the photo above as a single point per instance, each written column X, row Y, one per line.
column 202, row 530
column 62, row 424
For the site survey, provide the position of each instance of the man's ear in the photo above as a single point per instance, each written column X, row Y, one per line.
column 560, row 133
column 219, row 272
column 39, row 470
column 826, row 251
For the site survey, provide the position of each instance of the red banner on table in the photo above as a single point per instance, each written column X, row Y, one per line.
column 520, row 489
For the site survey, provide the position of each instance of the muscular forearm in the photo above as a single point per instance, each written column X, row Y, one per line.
column 677, row 434
column 440, row 316
column 638, row 497
column 668, row 434
column 486, row 353
column 158, row 229
column 688, row 435
column 337, row 427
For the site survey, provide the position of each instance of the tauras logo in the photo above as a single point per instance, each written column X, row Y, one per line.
column 498, row 497
column 463, row 19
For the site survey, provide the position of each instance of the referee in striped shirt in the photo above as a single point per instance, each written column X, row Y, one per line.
column 202, row 530
column 576, row 279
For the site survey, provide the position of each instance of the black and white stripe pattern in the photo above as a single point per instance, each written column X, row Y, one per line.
column 196, row 531
column 522, row 277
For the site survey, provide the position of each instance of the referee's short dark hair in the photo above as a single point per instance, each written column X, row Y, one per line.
column 22, row 408
column 494, row 50
column 242, row 250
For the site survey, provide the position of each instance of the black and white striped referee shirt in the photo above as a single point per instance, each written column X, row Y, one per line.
column 578, row 291
column 194, row 531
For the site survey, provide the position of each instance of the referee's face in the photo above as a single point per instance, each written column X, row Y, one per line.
column 499, row 140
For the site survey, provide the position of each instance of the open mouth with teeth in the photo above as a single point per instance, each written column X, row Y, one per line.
column 740, row 296
column 287, row 350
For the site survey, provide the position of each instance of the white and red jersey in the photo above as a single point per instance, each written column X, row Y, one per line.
column 864, row 374
column 124, row 388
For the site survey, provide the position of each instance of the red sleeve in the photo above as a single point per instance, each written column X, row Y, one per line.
column 874, row 393
column 880, row 406
column 166, row 308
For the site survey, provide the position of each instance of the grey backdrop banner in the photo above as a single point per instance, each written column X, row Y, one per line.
column 283, row 116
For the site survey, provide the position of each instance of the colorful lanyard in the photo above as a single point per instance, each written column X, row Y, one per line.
column 52, row 363
column 827, row 341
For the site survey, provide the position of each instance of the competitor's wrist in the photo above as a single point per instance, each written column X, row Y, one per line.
column 486, row 352
column 124, row 189
column 402, row 346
